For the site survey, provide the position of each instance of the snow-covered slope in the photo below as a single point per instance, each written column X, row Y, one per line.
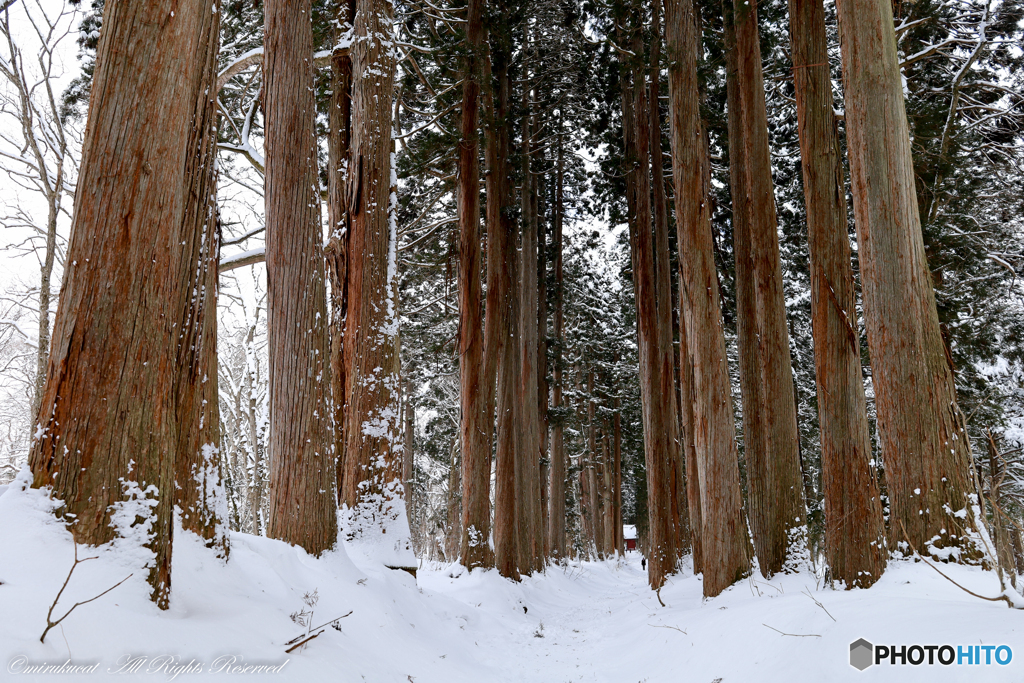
column 584, row 622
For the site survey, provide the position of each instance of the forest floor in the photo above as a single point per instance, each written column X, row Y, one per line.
column 587, row 621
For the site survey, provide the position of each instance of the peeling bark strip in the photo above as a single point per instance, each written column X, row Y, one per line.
column 771, row 447
column 476, row 446
column 336, row 251
column 725, row 548
column 854, row 531
column 108, row 428
column 199, row 493
column 302, row 476
column 921, row 433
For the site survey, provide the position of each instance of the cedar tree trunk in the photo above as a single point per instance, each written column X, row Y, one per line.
column 920, row 428
column 302, row 473
column 854, row 530
column 658, row 448
column 373, row 492
column 725, row 548
column 336, row 250
column 474, row 429
column 198, row 491
column 107, row 429
column 771, row 449
column 556, row 498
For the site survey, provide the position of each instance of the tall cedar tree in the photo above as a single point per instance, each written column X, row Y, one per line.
column 543, row 390
column 921, row 429
column 557, row 471
column 500, row 326
column 476, row 448
column 373, row 449
column 108, row 424
column 302, row 474
column 197, row 465
column 679, row 516
column 528, row 455
column 771, row 448
column 854, row 530
column 659, row 446
column 725, row 548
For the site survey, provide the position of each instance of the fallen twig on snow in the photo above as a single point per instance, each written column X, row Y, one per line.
column 795, row 635
column 305, row 637
column 303, row 641
column 808, row 594
column 50, row 624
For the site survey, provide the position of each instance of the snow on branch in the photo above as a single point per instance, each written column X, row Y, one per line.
column 255, row 56
column 246, row 258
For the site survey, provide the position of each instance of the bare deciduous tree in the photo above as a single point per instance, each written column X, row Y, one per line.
column 41, row 157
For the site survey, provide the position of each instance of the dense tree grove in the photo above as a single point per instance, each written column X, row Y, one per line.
column 491, row 280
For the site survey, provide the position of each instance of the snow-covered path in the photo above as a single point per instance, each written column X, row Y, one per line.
column 580, row 623
column 602, row 623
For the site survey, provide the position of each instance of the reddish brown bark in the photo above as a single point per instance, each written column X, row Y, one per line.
column 107, row 426
column 453, row 535
column 198, row 490
column 854, row 531
column 658, row 448
column 620, row 545
column 500, row 327
column 593, row 465
column 687, row 435
column 302, row 473
column 663, row 288
column 373, row 455
column 920, row 428
column 725, row 546
column 608, row 510
column 527, row 423
column 774, row 484
column 474, row 428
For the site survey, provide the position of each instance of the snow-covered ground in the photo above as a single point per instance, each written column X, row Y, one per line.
column 593, row 621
